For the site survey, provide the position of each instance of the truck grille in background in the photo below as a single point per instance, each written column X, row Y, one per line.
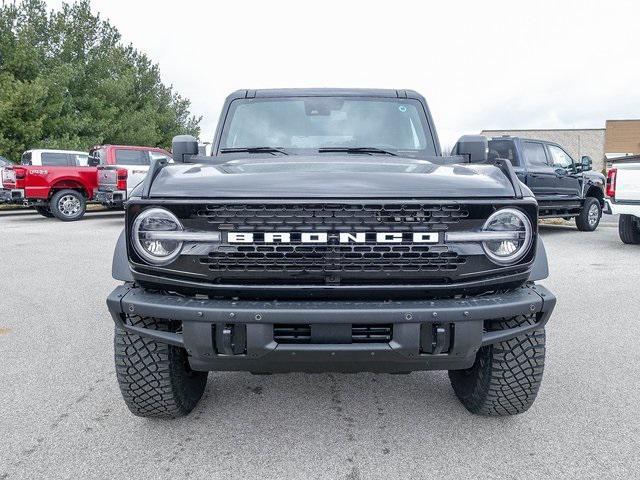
column 297, row 258
column 301, row 333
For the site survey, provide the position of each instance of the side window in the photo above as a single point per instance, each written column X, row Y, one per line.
column 101, row 154
column 131, row 157
column 534, row 154
column 26, row 158
column 502, row 149
column 80, row 159
column 158, row 155
column 560, row 158
column 55, row 159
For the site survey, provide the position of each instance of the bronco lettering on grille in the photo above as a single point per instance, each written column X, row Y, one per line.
column 326, row 237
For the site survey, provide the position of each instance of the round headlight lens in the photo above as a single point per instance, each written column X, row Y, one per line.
column 508, row 251
column 148, row 239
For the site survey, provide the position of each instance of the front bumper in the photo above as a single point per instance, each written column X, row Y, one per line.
column 212, row 330
column 11, row 196
column 111, row 198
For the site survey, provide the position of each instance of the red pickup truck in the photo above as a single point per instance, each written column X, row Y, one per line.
column 57, row 183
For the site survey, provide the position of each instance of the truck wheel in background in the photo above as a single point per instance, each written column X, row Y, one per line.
column 590, row 216
column 68, row 205
column 44, row 211
column 505, row 378
column 155, row 378
column 629, row 229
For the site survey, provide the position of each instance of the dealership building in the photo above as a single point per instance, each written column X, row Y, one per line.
column 619, row 138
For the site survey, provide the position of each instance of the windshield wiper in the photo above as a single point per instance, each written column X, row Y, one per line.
column 366, row 150
column 254, row 150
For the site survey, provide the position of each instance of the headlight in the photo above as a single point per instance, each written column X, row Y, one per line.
column 152, row 237
column 509, row 222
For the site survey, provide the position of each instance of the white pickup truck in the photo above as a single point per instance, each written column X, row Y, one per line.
column 623, row 190
column 120, row 169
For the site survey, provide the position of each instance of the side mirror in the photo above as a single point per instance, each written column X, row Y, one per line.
column 586, row 163
column 183, row 147
column 474, row 147
column 93, row 161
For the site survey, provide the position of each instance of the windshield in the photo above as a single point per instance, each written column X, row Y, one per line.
column 305, row 125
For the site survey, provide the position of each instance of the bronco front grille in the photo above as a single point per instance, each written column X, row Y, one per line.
column 333, row 261
column 297, row 258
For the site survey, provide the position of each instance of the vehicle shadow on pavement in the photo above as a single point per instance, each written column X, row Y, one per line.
column 364, row 401
column 17, row 213
column 89, row 216
column 558, row 229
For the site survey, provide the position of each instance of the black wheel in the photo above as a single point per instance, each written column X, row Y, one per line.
column 505, row 378
column 44, row 211
column 590, row 216
column 629, row 229
column 155, row 378
column 68, row 205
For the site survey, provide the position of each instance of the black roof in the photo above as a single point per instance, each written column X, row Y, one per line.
column 326, row 92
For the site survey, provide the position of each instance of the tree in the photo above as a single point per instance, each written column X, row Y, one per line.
column 68, row 81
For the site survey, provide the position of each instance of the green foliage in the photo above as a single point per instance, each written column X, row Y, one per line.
column 67, row 81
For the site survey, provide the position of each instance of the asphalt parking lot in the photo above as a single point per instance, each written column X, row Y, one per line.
column 61, row 414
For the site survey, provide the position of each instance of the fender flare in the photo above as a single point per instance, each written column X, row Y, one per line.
column 120, row 265
column 540, row 269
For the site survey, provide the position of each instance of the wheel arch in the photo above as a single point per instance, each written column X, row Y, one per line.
column 69, row 184
column 596, row 192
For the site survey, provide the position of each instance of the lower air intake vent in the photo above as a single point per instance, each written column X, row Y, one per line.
column 301, row 333
column 371, row 333
column 284, row 333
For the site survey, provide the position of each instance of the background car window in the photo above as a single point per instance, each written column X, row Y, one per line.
column 80, row 159
column 131, row 157
column 158, row 155
column 100, row 154
column 55, row 159
column 502, row 149
column 559, row 157
column 26, row 158
column 534, row 154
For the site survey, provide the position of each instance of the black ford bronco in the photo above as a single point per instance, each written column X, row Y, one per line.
column 563, row 187
column 326, row 232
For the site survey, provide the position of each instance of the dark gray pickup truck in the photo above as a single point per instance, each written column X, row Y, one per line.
column 326, row 232
column 563, row 187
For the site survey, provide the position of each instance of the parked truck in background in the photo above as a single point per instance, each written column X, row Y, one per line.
column 120, row 169
column 623, row 192
column 563, row 187
column 57, row 183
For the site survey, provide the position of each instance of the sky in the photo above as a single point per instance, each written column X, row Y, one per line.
column 480, row 64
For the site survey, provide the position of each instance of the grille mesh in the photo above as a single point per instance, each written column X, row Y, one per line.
column 334, row 258
column 332, row 217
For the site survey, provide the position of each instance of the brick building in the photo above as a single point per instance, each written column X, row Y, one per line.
column 622, row 138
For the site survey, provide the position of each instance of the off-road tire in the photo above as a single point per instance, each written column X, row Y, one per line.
column 629, row 229
column 505, row 377
column 59, row 212
column 44, row 211
column 582, row 221
column 155, row 378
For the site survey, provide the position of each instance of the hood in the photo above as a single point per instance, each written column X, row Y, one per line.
column 330, row 177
